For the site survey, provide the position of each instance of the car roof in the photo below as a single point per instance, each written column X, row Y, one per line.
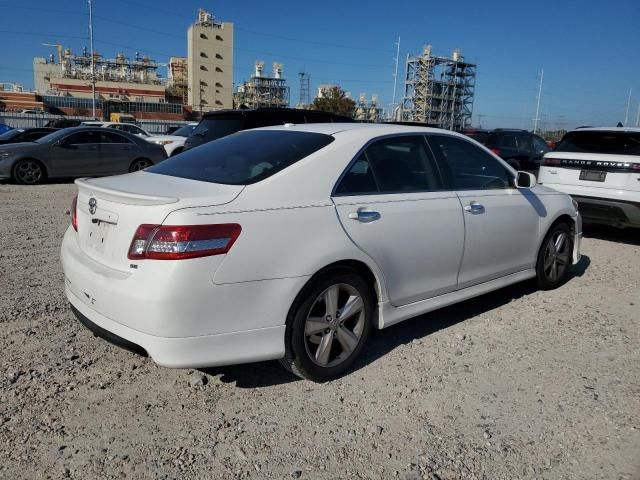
column 607, row 129
column 244, row 111
column 333, row 128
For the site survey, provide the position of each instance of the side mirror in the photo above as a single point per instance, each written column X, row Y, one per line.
column 525, row 180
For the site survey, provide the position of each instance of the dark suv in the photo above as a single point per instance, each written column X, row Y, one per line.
column 219, row 124
column 521, row 149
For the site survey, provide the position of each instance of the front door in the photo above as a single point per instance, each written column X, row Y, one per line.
column 77, row 154
column 392, row 205
column 117, row 152
column 501, row 221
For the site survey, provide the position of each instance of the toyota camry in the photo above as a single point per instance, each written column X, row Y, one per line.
column 293, row 242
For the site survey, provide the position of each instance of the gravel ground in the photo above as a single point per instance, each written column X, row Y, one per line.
column 514, row 384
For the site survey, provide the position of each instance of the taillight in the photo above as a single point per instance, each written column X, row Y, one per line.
column 177, row 242
column 74, row 213
column 551, row 162
column 495, row 150
column 635, row 167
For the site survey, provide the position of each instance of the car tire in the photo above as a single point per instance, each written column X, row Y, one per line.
column 139, row 164
column 28, row 171
column 328, row 325
column 554, row 257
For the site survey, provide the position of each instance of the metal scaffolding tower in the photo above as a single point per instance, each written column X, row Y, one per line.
column 439, row 90
column 368, row 111
column 305, row 90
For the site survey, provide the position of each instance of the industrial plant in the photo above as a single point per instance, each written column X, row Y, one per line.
column 438, row 90
column 262, row 90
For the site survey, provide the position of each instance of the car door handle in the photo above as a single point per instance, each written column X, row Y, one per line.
column 365, row 216
column 474, row 208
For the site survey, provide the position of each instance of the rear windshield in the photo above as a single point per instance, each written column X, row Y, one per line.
column 218, row 126
column 243, row 158
column 616, row 143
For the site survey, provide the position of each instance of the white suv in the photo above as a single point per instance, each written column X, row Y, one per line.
column 600, row 169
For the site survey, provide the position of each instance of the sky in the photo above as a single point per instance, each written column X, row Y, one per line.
column 589, row 50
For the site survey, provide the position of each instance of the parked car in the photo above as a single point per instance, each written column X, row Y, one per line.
column 600, row 169
column 18, row 135
column 293, row 242
column 77, row 152
column 62, row 123
column 521, row 149
column 173, row 144
column 218, row 124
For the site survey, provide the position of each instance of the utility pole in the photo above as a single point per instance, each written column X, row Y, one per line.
column 93, row 66
column 626, row 115
column 395, row 76
column 535, row 120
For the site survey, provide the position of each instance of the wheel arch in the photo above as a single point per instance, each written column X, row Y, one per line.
column 561, row 218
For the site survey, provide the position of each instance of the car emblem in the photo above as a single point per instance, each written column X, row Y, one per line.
column 93, row 205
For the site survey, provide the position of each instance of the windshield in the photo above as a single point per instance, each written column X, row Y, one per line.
column 218, row 126
column 243, row 158
column 184, row 131
column 9, row 134
column 607, row 142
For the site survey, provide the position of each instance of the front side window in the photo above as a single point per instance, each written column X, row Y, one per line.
column 243, row 158
column 83, row 138
column 605, row 142
column 471, row 168
column 392, row 165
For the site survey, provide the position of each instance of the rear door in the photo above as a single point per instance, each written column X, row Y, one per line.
column 501, row 222
column 392, row 204
column 77, row 154
column 116, row 152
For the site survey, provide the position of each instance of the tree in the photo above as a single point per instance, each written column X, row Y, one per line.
column 334, row 101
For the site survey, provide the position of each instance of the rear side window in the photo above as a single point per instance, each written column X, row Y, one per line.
column 218, row 126
column 508, row 141
column 112, row 137
column 471, row 167
column 614, row 143
column 392, row 165
column 243, row 158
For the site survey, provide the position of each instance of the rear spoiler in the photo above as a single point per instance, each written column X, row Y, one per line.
column 121, row 196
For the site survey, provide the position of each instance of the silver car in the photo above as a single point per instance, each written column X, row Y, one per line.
column 77, row 152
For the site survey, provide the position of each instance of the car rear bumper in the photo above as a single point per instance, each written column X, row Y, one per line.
column 609, row 212
column 186, row 352
column 180, row 320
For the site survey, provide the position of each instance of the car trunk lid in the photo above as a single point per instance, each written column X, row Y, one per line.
column 110, row 209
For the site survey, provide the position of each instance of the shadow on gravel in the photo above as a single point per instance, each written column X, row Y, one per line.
column 253, row 375
column 256, row 375
column 630, row 236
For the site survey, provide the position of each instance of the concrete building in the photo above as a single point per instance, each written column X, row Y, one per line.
column 210, row 63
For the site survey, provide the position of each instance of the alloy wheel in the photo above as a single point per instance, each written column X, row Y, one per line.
column 334, row 325
column 556, row 256
column 139, row 165
column 28, row 172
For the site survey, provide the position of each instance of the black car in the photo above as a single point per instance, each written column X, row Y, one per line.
column 63, row 123
column 18, row 135
column 521, row 149
column 219, row 124
column 77, row 152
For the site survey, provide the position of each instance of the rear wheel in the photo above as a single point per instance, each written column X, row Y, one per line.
column 554, row 258
column 29, row 172
column 140, row 164
column 329, row 325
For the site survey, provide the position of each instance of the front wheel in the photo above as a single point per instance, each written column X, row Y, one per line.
column 554, row 258
column 139, row 164
column 329, row 325
column 29, row 172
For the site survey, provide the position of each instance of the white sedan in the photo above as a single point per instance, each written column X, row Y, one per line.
column 293, row 242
